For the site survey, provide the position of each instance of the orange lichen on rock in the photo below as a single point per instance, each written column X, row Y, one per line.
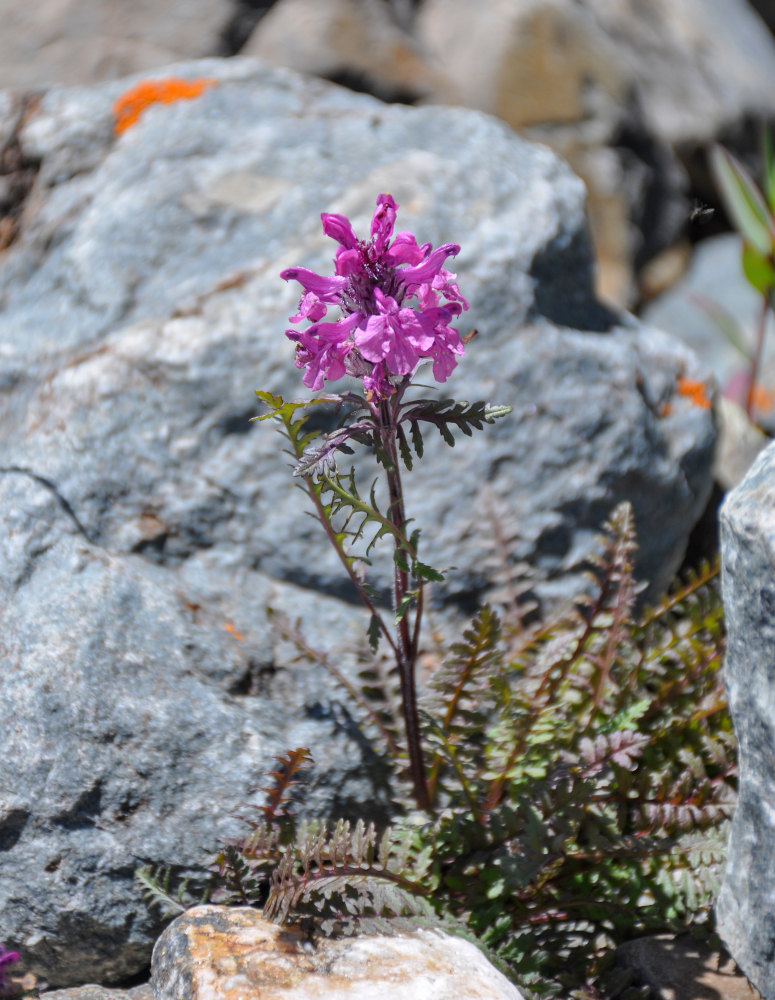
column 762, row 399
column 230, row 628
column 134, row 101
column 694, row 390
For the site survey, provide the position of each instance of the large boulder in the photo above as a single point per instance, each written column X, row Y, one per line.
column 745, row 914
column 147, row 526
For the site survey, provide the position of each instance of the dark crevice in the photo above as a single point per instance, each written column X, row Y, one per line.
column 247, row 14
column 363, row 83
column 84, row 811
column 63, row 502
column 256, row 681
column 12, row 827
column 18, row 172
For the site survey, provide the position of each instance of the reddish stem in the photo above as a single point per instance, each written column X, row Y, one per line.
column 406, row 655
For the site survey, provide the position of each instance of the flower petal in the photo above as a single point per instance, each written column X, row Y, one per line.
column 383, row 221
column 427, row 269
column 327, row 289
column 339, row 228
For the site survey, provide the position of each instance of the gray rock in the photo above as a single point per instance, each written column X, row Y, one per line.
column 82, row 41
column 147, row 525
column 366, row 42
column 745, row 917
column 94, row 992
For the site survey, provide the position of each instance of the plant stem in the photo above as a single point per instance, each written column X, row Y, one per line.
column 757, row 358
column 408, row 638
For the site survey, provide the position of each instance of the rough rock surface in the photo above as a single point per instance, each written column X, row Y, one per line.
column 211, row 953
column 745, row 917
column 146, row 525
column 94, row 992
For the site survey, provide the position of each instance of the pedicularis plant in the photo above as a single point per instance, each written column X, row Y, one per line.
column 572, row 775
column 396, row 302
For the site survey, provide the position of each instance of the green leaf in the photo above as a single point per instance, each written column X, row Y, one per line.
column 742, row 199
column 496, row 410
column 417, row 438
column 399, row 558
column 758, row 269
column 403, row 447
column 404, row 606
column 374, row 633
column 446, row 433
column 426, row 572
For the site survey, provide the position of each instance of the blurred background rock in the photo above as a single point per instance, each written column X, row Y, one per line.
column 629, row 92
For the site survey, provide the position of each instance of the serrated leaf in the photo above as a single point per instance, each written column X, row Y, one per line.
column 426, row 572
column 404, row 450
column 446, row 433
column 494, row 411
column 417, row 438
column 400, row 559
column 742, row 199
column 374, row 633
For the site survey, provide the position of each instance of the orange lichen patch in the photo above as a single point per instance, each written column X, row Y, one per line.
column 694, row 390
column 130, row 106
column 762, row 399
column 666, row 410
column 230, row 628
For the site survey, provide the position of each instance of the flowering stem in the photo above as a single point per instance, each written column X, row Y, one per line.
column 408, row 637
column 314, row 494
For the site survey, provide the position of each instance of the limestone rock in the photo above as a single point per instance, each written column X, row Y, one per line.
column 147, row 525
column 212, row 953
column 745, row 917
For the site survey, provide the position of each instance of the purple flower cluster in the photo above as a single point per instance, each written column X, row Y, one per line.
column 6, row 958
column 396, row 302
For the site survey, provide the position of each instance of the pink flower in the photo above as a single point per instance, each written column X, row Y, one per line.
column 6, row 958
column 396, row 301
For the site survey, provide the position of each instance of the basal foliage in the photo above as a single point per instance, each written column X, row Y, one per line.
column 581, row 772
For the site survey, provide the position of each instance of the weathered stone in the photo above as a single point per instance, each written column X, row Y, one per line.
column 94, row 992
column 82, row 41
column 682, row 968
column 745, row 916
column 211, row 953
column 357, row 42
column 146, row 525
